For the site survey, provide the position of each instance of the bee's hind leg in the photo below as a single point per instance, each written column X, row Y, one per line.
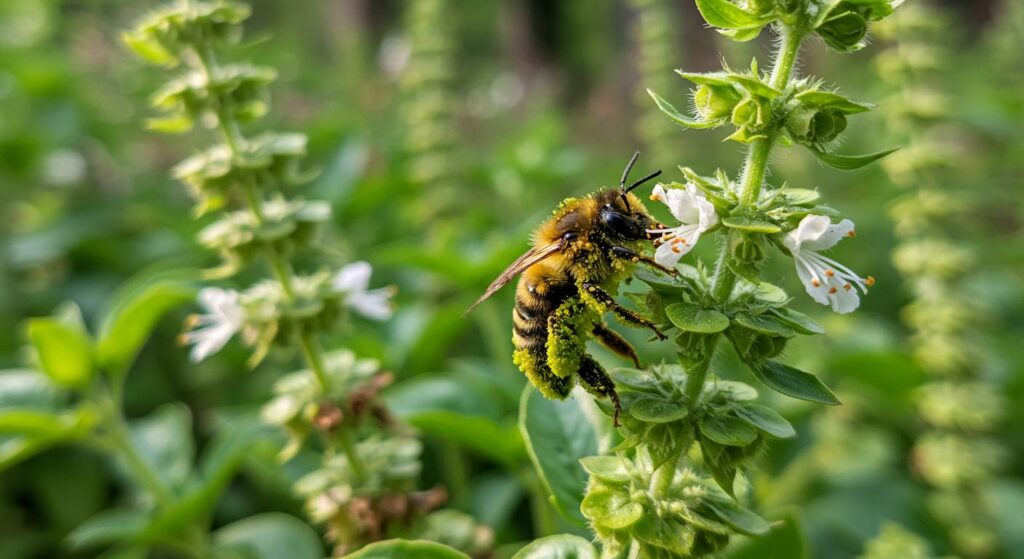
column 614, row 342
column 597, row 382
column 634, row 256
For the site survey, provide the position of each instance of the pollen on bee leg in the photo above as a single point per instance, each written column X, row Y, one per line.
column 869, row 281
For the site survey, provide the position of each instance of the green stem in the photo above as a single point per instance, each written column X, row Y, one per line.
column 785, row 57
column 314, row 358
column 348, row 446
column 121, row 441
column 662, row 479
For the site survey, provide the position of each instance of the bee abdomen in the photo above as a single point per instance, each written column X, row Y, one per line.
column 534, row 303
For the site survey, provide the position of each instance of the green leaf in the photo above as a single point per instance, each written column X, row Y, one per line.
column 797, row 321
column 678, row 117
column 693, row 318
column 754, row 85
column 498, row 441
column 834, row 100
column 741, row 35
column 727, row 430
column 164, row 438
column 274, row 535
column 109, row 526
column 559, row 546
column 606, row 468
column 743, row 520
column 764, row 324
column 35, row 431
column 800, row 196
column 784, row 541
column 657, row 410
column 794, row 382
column 65, row 351
column 747, row 224
column 405, row 549
column 850, row 162
column 725, row 14
column 558, row 435
column 131, row 321
column 765, row 419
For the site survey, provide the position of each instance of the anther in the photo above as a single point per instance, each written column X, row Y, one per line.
column 815, row 282
column 829, row 273
column 847, row 287
column 870, row 281
column 832, row 291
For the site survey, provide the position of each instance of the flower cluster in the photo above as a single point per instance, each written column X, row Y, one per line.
column 682, row 421
column 363, row 487
column 956, row 455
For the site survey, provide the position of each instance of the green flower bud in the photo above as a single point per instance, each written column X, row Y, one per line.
column 845, row 31
column 752, row 117
column 715, row 102
column 815, row 126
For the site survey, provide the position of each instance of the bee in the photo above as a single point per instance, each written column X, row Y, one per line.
column 569, row 278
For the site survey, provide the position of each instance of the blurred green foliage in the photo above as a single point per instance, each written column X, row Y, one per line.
column 538, row 104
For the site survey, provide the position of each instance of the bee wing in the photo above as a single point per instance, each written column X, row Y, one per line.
column 529, row 258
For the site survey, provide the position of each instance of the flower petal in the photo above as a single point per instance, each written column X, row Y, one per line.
column 831, row 236
column 353, row 278
column 375, row 304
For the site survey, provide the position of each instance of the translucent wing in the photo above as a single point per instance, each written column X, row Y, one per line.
column 529, row 258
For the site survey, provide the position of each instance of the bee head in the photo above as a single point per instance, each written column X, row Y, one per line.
column 622, row 212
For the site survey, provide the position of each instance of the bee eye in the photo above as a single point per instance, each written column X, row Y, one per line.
column 621, row 224
column 571, row 235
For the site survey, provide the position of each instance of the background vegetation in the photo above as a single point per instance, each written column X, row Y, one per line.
column 443, row 132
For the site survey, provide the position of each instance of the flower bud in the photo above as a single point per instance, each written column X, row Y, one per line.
column 814, row 126
column 845, row 31
column 715, row 102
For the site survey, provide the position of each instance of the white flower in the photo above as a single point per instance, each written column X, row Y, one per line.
column 827, row 281
column 694, row 213
column 353, row 280
column 210, row 331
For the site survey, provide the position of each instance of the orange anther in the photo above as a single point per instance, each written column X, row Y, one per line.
column 870, row 281
column 832, row 291
column 847, row 287
column 829, row 273
column 815, row 282
column 852, row 233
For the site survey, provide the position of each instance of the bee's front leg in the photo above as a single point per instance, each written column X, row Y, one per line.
column 625, row 315
column 634, row 256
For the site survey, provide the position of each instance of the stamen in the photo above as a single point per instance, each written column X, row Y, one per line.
column 869, row 281
column 676, row 249
column 656, row 197
column 832, row 291
column 852, row 233
column 830, row 273
column 815, row 282
column 847, row 287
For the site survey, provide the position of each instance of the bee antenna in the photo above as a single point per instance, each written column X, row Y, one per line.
column 641, row 181
column 625, row 173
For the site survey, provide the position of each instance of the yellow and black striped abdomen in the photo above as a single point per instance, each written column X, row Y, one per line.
column 536, row 299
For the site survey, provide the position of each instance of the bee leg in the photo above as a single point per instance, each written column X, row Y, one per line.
column 615, row 343
column 624, row 315
column 597, row 382
column 634, row 256
column 566, row 341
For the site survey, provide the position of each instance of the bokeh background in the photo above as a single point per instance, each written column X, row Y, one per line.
column 443, row 132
